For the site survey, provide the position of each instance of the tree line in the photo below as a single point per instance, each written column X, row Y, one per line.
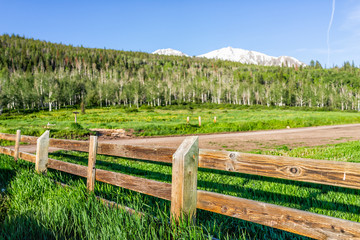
column 37, row 74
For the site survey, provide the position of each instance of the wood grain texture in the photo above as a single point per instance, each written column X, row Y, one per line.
column 146, row 186
column 158, row 154
column 17, row 144
column 343, row 174
column 29, row 139
column 74, row 145
column 7, row 151
column 75, row 169
column 142, row 185
column 90, row 183
column 292, row 220
column 22, row 155
column 7, row 136
column 42, row 151
column 27, row 157
column 12, row 137
column 184, row 180
column 71, row 168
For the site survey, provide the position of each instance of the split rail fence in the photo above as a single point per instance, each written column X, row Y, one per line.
column 183, row 193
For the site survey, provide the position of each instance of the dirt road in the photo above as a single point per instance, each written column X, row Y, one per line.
column 246, row 141
column 269, row 139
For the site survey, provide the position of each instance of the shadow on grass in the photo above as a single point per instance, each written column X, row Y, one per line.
column 240, row 190
column 26, row 227
column 6, row 175
column 224, row 224
column 16, row 228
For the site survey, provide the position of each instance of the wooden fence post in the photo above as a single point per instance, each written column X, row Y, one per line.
column 91, row 164
column 184, row 180
column 17, row 144
column 76, row 113
column 42, row 151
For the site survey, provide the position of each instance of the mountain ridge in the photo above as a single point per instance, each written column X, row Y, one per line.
column 240, row 55
column 169, row 52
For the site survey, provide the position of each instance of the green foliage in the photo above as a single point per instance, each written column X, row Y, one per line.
column 76, row 126
column 171, row 120
column 74, row 131
column 39, row 75
column 6, row 143
column 131, row 110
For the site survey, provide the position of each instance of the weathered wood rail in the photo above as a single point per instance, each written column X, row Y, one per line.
column 341, row 174
column 186, row 198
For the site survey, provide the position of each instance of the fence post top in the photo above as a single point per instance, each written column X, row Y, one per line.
column 45, row 134
column 186, row 145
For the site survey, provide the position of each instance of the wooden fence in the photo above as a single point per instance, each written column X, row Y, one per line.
column 183, row 193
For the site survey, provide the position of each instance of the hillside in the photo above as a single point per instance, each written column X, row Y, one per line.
column 38, row 74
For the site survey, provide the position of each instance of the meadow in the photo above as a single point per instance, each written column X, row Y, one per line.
column 171, row 120
column 43, row 208
column 41, row 75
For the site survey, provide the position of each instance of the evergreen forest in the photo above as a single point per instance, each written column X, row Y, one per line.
column 38, row 75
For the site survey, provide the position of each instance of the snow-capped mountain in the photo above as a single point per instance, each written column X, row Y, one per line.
column 169, row 51
column 251, row 57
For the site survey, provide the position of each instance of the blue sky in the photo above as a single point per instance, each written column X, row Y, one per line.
column 295, row 28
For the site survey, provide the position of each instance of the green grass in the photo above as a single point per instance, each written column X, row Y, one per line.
column 33, row 197
column 33, row 207
column 346, row 152
column 6, row 143
column 171, row 121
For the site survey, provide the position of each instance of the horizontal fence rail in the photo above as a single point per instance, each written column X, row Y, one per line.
column 142, row 185
column 284, row 218
column 292, row 220
column 341, row 174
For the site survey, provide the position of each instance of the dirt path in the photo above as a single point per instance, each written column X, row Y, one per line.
column 268, row 139
column 32, row 148
column 246, row 141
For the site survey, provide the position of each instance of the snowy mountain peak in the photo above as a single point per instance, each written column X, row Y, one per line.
column 169, row 51
column 240, row 55
column 251, row 57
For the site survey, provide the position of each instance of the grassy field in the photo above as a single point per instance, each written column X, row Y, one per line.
column 45, row 208
column 171, row 120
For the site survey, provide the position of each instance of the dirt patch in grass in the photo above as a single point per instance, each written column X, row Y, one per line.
column 110, row 134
